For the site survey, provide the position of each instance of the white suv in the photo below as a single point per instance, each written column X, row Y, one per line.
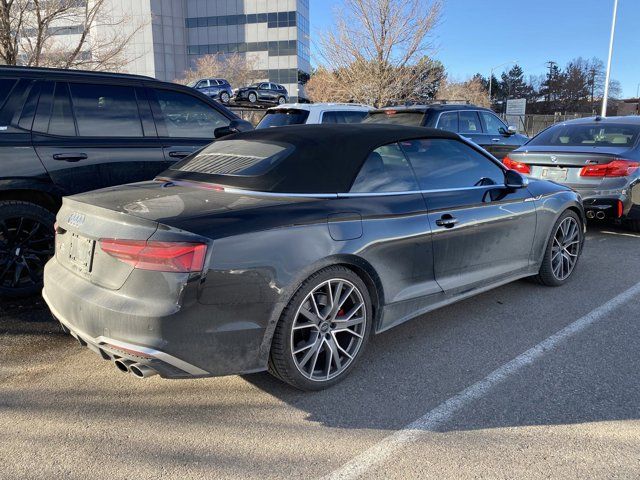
column 313, row 113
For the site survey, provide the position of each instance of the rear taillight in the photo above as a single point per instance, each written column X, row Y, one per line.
column 158, row 256
column 617, row 168
column 517, row 166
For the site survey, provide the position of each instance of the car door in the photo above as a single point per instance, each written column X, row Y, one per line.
column 264, row 92
column 396, row 232
column 482, row 230
column 184, row 122
column 94, row 135
column 497, row 139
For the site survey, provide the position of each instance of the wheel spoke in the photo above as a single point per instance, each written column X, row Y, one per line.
column 352, row 322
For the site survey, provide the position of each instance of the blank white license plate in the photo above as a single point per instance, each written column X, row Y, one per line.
column 81, row 253
column 555, row 174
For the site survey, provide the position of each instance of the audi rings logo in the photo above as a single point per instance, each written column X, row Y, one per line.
column 75, row 219
column 554, row 159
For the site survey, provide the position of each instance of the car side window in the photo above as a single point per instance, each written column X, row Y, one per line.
column 106, row 110
column 264, row 86
column 449, row 164
column 385, row 170
column 188, row 117
column 61, row 120
column 469, row 122
column 492, row 124
column 448, row 121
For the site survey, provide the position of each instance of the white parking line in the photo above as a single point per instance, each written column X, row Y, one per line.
column 620, row 234
column 446, row 410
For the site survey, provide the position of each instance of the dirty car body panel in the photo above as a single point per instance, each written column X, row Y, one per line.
column 265, row 234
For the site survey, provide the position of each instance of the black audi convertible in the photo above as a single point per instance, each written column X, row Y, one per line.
column 285, row 249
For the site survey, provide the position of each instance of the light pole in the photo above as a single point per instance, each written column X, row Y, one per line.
column 491, row 75
column 606, row 80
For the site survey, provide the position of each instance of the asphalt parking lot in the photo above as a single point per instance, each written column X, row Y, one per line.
column 520, row 382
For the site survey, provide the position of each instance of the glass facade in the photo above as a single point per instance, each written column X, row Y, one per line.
column 278, row 41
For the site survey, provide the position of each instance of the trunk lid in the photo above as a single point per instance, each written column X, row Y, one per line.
column 563, row 164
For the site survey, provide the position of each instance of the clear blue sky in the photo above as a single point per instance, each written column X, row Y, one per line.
column 475, row 35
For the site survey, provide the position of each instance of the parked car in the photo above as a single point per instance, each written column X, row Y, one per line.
column 480, row 125
column 597, row 157
column 284, row 248
column 216, row 88
column 65, row 131
column 261, row 93
column 313, row 113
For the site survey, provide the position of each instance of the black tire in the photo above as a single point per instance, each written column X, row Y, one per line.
column 282, row 100
column 632, row 225
column 252, row 97
column 224, row 97
column 281, row 359
column 26, row 243
column 546, row 275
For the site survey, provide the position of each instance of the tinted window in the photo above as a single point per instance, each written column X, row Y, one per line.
column 188, row 117
column 6, row 84
column 385, row 170
column 281, row 117
column 448, row 121
column 106, row 110
column 236, row 157
column 338, row 116
column 595, row 134
column 443, row 164
column 61, row 121
column 469, row 122
column 493, row 125
column 393, row 117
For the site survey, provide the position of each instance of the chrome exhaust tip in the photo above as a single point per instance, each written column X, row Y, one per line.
column 590, row 214
column 141, row 371
column 600, row 215
column 123, row 365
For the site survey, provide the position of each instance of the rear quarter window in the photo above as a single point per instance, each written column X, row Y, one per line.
column 6, row 85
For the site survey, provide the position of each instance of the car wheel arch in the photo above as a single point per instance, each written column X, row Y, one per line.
column 42, row 198
column 356, row 264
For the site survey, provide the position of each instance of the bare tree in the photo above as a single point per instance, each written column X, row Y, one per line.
column 472, row 91
column 376, row 46
column 65, row 33
column 236, row 68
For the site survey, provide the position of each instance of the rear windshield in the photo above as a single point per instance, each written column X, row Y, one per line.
column 595, row 134
column 393, row 117
column 235, row 158
column 282, row 117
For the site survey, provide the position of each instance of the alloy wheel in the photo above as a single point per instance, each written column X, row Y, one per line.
column 224, row 97
column 25, row 246
column 566, row 248
column 253, row 98
column 328, row 329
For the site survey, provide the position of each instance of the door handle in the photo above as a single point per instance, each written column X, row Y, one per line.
column 496, row 139
column 179, row 154
column 447, row 221
column 70, row 157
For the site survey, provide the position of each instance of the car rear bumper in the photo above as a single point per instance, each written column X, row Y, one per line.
column 176, row 341
column 611, row 204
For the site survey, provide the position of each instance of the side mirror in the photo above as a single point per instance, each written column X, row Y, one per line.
column 515, row 180
column 510, row 130
column 235, row 126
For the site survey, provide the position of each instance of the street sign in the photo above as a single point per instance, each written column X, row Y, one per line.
column 516, row 106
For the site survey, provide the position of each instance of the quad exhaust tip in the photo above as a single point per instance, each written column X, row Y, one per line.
column 591, row 214
column 123, row 365
column 600, row 215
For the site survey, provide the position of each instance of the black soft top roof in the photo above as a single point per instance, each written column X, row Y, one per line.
column 325, row 158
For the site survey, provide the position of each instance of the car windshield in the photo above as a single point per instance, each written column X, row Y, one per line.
column 254, row 85
column 282, row 117
column 192, row 84
column 235, row 158
column 593, row 134
column 394, row 117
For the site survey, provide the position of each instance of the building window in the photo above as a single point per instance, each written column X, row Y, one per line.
column 273, row 20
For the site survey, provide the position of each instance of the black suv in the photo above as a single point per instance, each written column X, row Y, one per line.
column 217, row 88
column 263, row 92
column 480, row 125
column 64, row 132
